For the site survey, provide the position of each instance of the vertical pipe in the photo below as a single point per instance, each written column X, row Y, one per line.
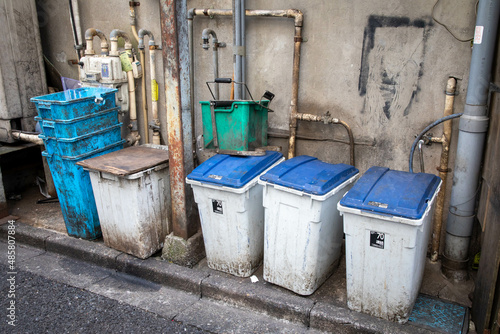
column 74, row 13
column 190, row 17
column 144, row 100
column 133, row 21
column 295, row 87
column 443, row 169
column 154, row 93
column 216, row 69
column 237, row 48
column 472, row 132
column 170, row 51
column 243, row 46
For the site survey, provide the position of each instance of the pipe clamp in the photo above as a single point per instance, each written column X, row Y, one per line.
column 239, row 50
column 475, row 110
column 474, row 124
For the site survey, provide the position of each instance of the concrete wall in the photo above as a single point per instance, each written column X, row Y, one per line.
column 381, row 66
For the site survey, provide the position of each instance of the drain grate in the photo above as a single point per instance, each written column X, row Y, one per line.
column 438, row 315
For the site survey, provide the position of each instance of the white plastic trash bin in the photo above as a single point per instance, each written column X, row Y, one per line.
column 387, row 223
column 303, row 228
column 132, row 192
column 231, row 212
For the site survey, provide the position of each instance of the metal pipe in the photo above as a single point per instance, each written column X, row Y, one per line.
column 142, row 60
column 443, row 168
column 298, row 21
column 243, row 47
column 472, row 133
column 133, row 138
column 421, row 155
column 143, row 98
column 154, row 86
column 190, row 16
column 89, row 37
column 74, row 15
column 29, row 137
column 423, row 132
column 205, row 36
column 133, row 20
column 113, row 37
column 331, row 120
column 181, row 227
column 237, row 49
column 295, row 89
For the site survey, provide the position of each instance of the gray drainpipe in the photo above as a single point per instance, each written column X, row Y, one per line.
column 472, row 133
column 239, row 47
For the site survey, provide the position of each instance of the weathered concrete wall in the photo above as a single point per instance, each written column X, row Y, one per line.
column 57, row 37
column 381, row 66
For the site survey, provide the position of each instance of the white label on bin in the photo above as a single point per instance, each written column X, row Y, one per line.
column 378, row 204
column 217, row 206
column 377, row 239
column 216, row 177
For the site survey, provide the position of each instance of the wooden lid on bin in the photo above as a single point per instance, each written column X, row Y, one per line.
column 128, row 161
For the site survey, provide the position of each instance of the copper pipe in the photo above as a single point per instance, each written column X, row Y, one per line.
column 295, row 91
column 328, row 120
column 443, row 168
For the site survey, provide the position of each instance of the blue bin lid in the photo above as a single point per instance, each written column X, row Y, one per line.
column 233, row 171
column 391, row 192
column 309, row 174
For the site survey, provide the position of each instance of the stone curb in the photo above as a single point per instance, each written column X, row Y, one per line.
column 89, row 251
column 259, row 298
column 331, row 318
column 321, row 316
column 162, row 272
column 28, row 235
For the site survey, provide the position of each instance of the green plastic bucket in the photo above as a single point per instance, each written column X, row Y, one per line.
column 242, row 126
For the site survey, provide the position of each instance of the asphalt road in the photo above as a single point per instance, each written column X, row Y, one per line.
column 46, row 306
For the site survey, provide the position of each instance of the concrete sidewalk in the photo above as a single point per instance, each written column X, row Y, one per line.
column 325, row 310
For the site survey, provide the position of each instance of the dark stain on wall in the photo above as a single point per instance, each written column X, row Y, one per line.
column 388, row 82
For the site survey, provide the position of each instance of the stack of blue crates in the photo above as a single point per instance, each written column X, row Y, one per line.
column 78, row 124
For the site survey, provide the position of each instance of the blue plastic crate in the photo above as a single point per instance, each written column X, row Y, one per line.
column 82, row 144
column 74, row 190
column 79, row 126
column 74, row 103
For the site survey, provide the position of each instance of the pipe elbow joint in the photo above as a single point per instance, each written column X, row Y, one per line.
column 191, row 13
column 89, row 36
column 297, row 15
column 142, row 33
column 205, row 34
column 115, row 34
